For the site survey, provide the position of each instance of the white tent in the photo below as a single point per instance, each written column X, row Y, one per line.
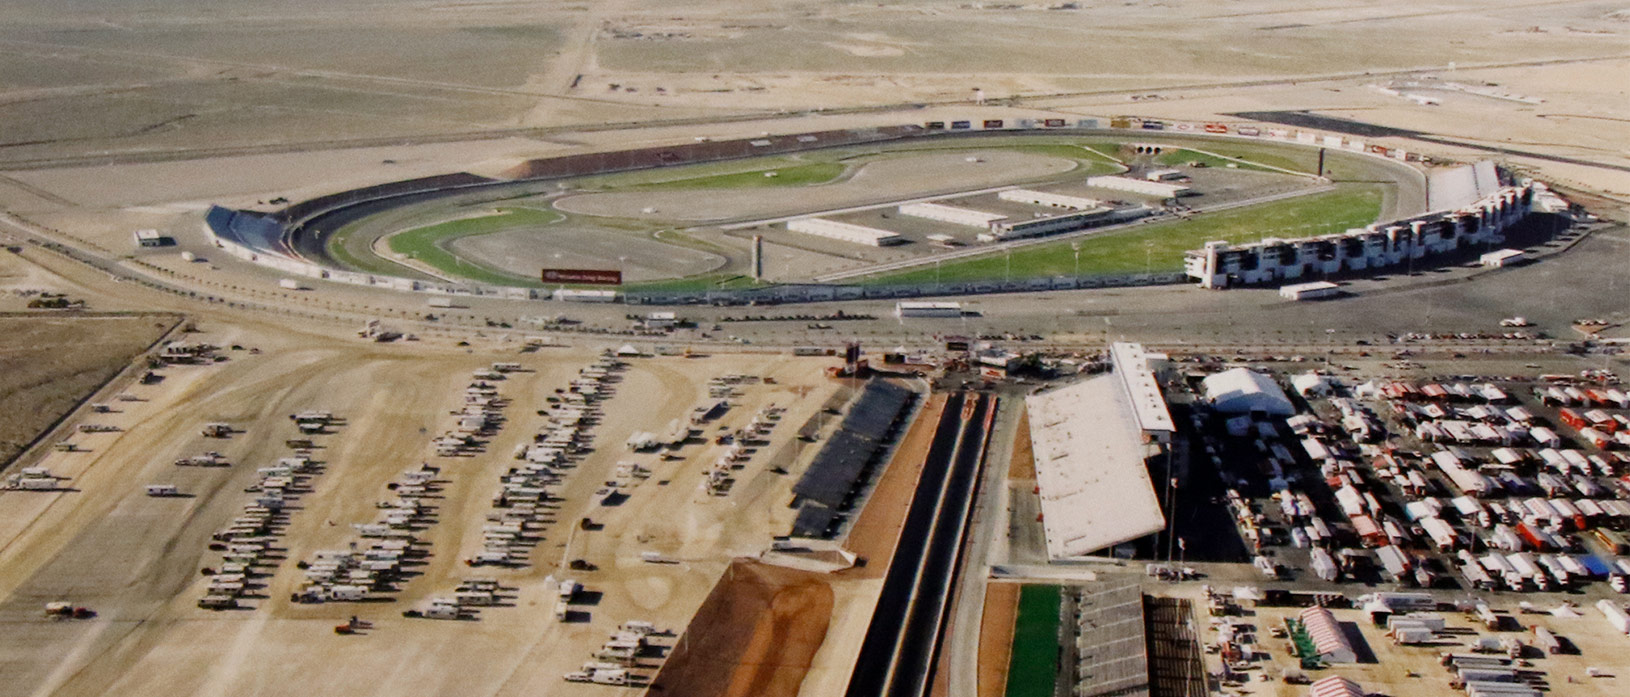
column 1241, row 391
column 1310, row 383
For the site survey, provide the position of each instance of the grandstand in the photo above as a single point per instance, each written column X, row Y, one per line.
column 251, row 232
column 842, row 467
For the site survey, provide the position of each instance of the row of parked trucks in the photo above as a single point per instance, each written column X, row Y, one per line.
column 247, row 542
column 478, row 417
column 616, row 655
column 526, row 500
column 34, row 479
column 740, row 445
column 470, row 595
column 372, row 565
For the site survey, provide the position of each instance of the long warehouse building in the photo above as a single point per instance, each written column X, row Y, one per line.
column 1056, row 224
column 951, row 214
column 1050, row 199
column 844, row 232
column 1138, row 186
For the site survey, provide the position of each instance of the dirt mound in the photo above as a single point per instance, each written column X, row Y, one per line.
column 754, row 636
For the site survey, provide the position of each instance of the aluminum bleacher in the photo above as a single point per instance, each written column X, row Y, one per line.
column 840, row 470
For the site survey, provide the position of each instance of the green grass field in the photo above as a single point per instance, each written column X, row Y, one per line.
column 1178, row 158
column 1160, row 246
column 795, row 175
column 426, row 244
column 1294, row 160
column 1033, row 667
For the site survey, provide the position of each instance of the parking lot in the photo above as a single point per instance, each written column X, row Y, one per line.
column 381, row 518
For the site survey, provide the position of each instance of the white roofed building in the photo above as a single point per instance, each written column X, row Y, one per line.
column 1089, row 450
column 1243, row 391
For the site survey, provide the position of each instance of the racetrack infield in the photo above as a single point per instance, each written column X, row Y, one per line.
column 754, row 636
column 523, row 252
column 897, row 177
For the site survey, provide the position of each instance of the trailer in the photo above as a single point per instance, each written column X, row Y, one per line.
column 162, row 490
column 1324, row 566
column 1615, row 614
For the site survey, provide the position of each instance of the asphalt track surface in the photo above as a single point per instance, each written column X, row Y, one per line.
column 1303, row 119
column 378, row 217
column 897, row 655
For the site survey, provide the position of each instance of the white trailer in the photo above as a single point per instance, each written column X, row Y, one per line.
column 159, row 490
column 1615, row 615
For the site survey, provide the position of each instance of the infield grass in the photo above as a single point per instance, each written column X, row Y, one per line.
column 1033, row 666
column 427, row 244
column 1160, row 246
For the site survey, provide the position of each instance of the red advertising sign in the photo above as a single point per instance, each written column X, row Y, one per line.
column 604, row 277
column 1216, row 128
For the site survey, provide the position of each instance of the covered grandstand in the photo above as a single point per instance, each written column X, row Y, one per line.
column 253, row 232
column 843, row 466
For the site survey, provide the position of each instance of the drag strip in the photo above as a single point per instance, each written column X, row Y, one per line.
column 896, row 657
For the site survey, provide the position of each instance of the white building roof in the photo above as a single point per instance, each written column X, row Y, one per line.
column 1305, row 287
column 1501, row 255
column 1240, row 390
column 1089, row 452
column 1309, row 382
column 1131, row 364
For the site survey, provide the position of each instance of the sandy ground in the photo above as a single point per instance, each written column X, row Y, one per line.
column 1023, row 464
column 883, row 180
column 996, row 637
column 135, row 559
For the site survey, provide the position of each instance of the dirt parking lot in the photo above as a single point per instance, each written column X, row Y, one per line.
column 135, row 560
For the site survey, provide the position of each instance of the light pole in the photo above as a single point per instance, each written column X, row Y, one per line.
column 1008, row 276
column 1076, row 247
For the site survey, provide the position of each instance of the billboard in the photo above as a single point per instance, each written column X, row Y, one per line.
column 993, row 123
column 1053, row 123
column 606, row 277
